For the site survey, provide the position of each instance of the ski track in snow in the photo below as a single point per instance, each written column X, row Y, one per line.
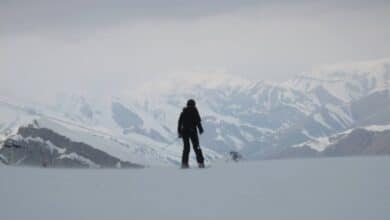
column 342, row 188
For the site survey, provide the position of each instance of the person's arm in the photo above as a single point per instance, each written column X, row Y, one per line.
column 199, row 122
column 179, row 125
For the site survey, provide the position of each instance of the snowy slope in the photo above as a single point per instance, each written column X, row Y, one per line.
column 12, row 116
column 136, row 148
column 256, row 118
column 133, row 147
column 349, row 81
column 263, row 116
column 369, row 140
column 337, row 189
column 320, row 144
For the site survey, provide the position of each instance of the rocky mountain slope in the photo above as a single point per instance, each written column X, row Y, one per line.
column 362, row 141
column 35, row 146
column 259, row 119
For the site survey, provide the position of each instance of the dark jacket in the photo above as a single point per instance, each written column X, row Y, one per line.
column 189, row 120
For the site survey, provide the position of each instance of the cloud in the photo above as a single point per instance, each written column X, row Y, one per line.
column 26, row 15
column 103, row 46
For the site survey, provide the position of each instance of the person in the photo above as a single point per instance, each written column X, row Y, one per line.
column 189, row 122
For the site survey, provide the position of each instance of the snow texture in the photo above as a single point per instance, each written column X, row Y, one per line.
column 74, row 156
column 318, row 144
column 347, row 188
column 321, row 143
column 378, row 128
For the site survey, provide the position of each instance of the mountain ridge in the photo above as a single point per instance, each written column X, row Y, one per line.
column 256, row 118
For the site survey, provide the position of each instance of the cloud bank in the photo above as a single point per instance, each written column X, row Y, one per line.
column 103, row 46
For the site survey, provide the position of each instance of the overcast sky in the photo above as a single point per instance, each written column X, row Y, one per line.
column 88, row 45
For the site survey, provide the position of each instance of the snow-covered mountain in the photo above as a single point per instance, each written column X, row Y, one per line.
column 107, row 128
column 259, row 118
column 256, row 118
column 369, row 140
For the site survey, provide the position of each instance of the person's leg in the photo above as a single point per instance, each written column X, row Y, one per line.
column 197, row 149
column 186, row 151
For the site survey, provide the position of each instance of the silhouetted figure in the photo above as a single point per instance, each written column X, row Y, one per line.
column 235, row 156
column 189, row 122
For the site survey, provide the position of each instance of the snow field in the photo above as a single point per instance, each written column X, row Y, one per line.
column 342, row 188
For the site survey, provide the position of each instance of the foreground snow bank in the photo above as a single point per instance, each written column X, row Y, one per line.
column 344, row 188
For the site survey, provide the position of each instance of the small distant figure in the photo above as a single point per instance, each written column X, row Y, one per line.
column 189, row 122
column 235, row 156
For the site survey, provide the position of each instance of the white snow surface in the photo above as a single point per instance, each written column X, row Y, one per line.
column 101, row 134
column 318, row 144
column 74, row 156
column 339, row 114
column 334, row 78
column 318, row 118
column 136, row 149
column 337, row 189
column 378, row 128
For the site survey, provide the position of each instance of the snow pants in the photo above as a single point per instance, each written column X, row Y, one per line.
column 193, row 136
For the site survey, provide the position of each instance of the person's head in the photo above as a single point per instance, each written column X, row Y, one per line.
column 191, row 103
